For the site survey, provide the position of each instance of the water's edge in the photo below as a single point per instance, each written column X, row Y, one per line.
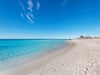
column 15, row 62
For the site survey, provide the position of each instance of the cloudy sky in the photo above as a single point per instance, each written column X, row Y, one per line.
column 49, row 18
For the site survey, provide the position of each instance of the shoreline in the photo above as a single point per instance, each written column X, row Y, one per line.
column 30, row 57
column 80, row 57
column 36, row 61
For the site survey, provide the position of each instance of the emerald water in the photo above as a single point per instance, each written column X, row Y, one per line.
column 10, row 49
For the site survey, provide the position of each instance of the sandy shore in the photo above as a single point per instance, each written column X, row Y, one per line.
column 80, row 57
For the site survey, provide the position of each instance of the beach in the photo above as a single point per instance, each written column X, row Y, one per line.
column 79, row 57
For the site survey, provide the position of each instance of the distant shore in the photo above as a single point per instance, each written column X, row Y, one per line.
column 80, row 57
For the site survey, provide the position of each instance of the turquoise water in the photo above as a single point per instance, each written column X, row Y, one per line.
column 10, row 49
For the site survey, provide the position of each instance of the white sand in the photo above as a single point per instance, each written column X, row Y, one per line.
column 82, row 57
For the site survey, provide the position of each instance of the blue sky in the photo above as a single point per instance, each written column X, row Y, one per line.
column 49, row 18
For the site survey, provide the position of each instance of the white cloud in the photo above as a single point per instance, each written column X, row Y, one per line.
column 28, row 12
column 38, row 5
column 22, row 5
column 30, row 5
column 30, row 17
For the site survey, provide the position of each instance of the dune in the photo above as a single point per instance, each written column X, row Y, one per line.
column 79, row 57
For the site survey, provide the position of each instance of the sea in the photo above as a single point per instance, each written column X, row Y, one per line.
column 14, row 49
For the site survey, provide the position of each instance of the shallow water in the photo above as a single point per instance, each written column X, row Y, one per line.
column 10, row 49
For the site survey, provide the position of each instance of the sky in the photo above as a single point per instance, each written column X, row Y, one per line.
column 49, row 18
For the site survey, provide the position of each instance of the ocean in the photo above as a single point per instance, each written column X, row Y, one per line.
column 17, row 48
